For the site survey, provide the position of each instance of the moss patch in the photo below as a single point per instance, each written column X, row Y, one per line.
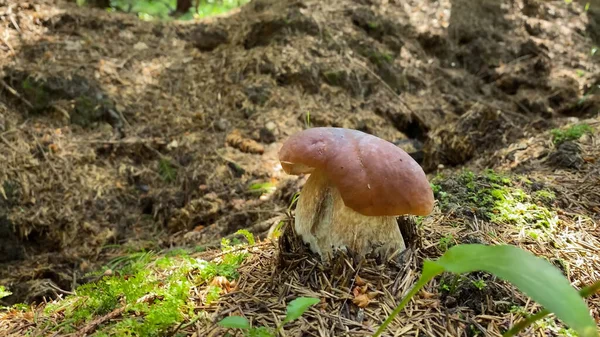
column 146, row 294
column 88, row 104
column 499, row 199
column 572, row 133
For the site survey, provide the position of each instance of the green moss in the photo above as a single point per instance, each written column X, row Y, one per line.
column 446, row 242
column 86, row 111
column 4, row 292
column 152, row 290
column 380, row 59
column 335, row 77
column 572, row 133
column 36, row 94
column 497, row 198
column 545, row 195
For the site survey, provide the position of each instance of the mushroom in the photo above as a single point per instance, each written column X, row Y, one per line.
column 358, row 185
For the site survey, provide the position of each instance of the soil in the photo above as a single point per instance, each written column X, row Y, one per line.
column 120, row 135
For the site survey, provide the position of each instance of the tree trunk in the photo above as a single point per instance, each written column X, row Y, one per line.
column 183, row 6
column 98, row 3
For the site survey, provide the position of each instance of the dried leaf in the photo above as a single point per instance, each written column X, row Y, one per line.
column 426, row 294
column 361, row 301
column 223, row 283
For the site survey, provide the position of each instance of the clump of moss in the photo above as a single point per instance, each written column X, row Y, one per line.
column 572, row 133
column 4, row 292
column 497, row 198
column 153, row 292
column 335, row 77
column 36, row 94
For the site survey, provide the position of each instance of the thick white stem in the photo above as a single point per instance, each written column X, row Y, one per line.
column 326, row 224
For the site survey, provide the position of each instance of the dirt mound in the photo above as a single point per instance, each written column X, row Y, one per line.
column 118, row 131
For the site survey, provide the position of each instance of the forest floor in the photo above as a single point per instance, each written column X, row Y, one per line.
column 129, row 149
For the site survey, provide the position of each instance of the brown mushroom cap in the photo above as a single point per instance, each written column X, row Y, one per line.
column 374, row 176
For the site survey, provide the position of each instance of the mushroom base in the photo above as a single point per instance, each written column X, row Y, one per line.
column 326, row 224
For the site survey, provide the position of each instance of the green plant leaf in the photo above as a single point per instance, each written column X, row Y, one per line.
column 298, row 306
column 259, row 332
column 4, row 292
column 248, row 236
column 534, row 276
column 234, row 322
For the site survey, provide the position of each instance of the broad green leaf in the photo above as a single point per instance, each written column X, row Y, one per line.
column 234, row 322
column 534, row 276
column 298, row 306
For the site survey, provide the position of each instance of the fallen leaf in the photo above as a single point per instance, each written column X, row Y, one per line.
column 372, row 294
column 361, row 301
column 53, row 147
column 223, row 283
column 426, row 294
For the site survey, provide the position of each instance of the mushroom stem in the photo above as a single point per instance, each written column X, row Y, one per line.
column 325, row 223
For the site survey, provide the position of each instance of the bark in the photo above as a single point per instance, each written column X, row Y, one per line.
column 183, row 6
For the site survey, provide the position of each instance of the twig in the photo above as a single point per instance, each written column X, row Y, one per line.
column 9, row 46
column 15, row 93
column 585, row 292
column 57, row 288
column 12, row 20
column 8, row 143
column 260, row 244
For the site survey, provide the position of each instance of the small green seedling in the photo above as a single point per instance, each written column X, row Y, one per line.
column 479, row 284
column 247, row 235
column 307, row 120
column 446, row 242
column 534, row 276
column 4, row 292
column 572, row 133
column 294, row 200
column 261, row 188
column 166, row 170
column 295, row 309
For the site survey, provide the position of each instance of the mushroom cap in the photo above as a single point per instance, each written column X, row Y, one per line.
column 373, row 176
